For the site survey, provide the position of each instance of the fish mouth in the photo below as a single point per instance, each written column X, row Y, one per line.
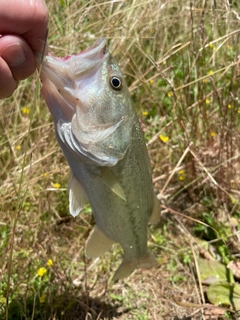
column 73, row 88
column 89, row 56
column 65, row 73
column 95, row 51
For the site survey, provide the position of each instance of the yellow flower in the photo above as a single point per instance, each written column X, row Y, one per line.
column 25, row 110
column 169, row 94
column 57, row 185
column 207, row 101
column 151, row 81
column 50, row 262
column 181, row 174
column 238, row 110
column 229, row 106
column 18, row 147
column 210, row 72
column 213, row 133
column 145, row 113
column 163, row 138
column 41, row 271
column 42, row 298
column 181, row 171
column 233, row 199
column 210, row 45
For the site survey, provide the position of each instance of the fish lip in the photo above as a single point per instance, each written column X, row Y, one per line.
column 99, row 46
column 96, row 53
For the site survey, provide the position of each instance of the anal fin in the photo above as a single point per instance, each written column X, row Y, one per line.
column 97, row 243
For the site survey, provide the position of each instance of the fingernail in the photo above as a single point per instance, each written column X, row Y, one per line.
column 13, row 54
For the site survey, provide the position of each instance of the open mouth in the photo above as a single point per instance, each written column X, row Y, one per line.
column 68, row 73
column 95, row 51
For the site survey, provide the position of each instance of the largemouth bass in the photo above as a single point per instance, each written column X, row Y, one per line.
column 100, row 135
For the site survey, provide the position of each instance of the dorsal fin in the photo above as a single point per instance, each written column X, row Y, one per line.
column 155, row 216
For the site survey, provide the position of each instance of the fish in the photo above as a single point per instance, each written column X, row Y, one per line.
column 100, row 135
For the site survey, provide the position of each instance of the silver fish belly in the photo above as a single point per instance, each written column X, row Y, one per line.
column 101, row 138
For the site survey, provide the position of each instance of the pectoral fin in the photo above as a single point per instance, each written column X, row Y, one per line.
column 155, row 216
column 111, row 180
column 77, row 195
column 97, row 244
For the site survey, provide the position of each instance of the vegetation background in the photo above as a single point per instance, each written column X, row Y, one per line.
column 181, row 62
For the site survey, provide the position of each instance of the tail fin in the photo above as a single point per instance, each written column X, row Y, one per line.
column 128, row 266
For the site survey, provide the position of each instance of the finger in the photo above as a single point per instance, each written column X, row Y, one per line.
column 7, row 83
column 27, row 19
column 18, row 55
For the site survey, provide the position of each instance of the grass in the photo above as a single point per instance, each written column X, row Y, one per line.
column 180, row 60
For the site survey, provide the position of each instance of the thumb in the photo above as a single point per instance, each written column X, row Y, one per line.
column 18, row 55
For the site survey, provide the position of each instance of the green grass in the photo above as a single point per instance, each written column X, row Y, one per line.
column 180, row 60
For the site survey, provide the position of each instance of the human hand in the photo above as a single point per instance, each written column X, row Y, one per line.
column 23, row 30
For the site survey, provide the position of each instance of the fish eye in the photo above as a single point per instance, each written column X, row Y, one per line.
column 116, row 83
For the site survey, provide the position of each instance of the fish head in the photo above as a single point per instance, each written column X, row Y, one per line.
column 93, row 99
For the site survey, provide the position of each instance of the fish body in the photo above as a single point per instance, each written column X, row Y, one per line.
column 100, row 135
